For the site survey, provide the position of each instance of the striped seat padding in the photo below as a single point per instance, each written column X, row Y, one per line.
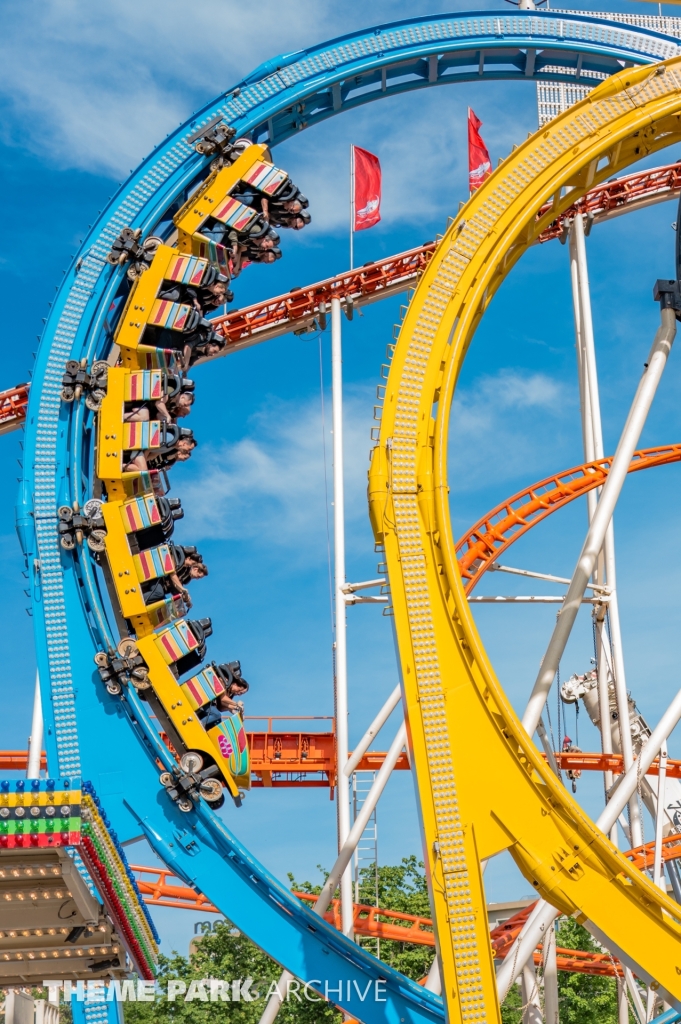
column 140, row 513
column 174, row 316
column 265, row 177
column 202, row 688
column 234, row 214
column 187, row 270
column 171, row 607
column 154, row 562
column 144, row 386
column 137, row 483
column 141, row 436
column 176, row 641
column 157, row 358
column 217, row 254
column 230, row 737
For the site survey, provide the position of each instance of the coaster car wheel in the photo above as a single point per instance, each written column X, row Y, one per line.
column 185, row 804
column 100, row 369
column 192, row 761
column 96, row 540
column 211, row 791
column 65, row 512
column 92, row 507
column 94, row 399
column 140, row 680
column 68, row 394
column 151, row 243
column 67, row 542
column 113, row 687
column 101, row 659
column 166, row 779
column 127, row 648
column 135, row 271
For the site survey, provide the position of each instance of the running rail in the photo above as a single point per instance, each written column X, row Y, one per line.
column 454, row 703
column 375, row 922
column 113, row 742
column 298, row 310
column 496, row 531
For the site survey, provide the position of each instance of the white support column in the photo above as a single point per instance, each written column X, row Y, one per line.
column 530, row 994
column 434, row 979
column 341, row 659
column 635, row 995
column 551, row 1004
column 622, row 1002
column 595, row 537
column 534, row 930
column 35, row 744
column 360, row 822
column 373, row 730
column 621, row 685
column 658, row 866
column 592, row 431
column 343, row 860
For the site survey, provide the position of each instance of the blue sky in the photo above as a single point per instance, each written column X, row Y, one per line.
column 85, row 92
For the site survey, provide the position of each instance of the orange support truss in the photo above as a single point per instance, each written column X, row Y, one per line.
column 374, row 922
column 585, row 762
column 13, row 405
column 496, row 531
column 17, row 760
column 298, row 309
column 301, row 306
column 282, row 758
column 617, row 196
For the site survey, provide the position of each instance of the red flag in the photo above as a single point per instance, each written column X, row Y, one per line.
column 367, row 191
column 479, row 163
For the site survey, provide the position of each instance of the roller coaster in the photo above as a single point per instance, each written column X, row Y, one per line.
column 123, row 670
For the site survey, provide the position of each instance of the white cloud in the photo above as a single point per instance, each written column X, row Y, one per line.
column 269, row 484
column 96, row 86
column 420, row 139
column 506, row 425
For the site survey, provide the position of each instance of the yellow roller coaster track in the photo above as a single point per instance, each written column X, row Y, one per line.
column 475, row 806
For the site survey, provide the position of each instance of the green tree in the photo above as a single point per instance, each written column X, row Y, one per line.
column 224, row 954
column 404, row 888
column 511, row 1008
column 227, row 954
column 584, row 998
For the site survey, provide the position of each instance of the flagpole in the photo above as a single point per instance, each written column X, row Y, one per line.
column 352, row 206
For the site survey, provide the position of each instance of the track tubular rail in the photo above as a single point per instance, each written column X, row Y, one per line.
column 495, row 532
column 112, row 741
column 512, row 801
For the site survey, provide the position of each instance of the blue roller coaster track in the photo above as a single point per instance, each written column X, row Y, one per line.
column 109, row 740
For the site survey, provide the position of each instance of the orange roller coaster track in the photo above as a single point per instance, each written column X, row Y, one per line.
column 298, row 309
column 479, row 548
column 13, row 405
column 374, row 922
column 612, row 198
